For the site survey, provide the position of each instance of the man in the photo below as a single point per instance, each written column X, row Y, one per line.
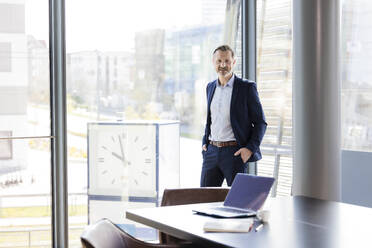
column 235, row 123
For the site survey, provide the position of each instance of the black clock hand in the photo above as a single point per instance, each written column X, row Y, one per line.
column 121, row 148
column 117, row 156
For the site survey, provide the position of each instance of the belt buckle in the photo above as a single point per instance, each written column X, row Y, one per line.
column 216, row 143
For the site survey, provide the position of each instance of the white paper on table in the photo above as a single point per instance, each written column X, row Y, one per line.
column 228, row 225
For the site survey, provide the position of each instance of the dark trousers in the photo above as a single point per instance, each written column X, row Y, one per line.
column 220, row 163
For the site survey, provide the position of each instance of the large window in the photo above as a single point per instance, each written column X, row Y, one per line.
column 274, row 81
column 132, row 65
column 25, row 158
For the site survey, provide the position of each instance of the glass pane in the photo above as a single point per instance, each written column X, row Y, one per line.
column 25, row 200
column 25, row 211
column 136, row 81
column 24, row 68
column 356, row 76
column 274, row 80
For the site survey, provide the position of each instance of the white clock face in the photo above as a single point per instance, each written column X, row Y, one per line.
column 111, row 166
column 122, row 160
column 141, row 156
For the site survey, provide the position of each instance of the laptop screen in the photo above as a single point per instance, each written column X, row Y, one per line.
column 248, row 191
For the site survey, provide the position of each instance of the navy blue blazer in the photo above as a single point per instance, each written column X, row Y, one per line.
column 246, row 116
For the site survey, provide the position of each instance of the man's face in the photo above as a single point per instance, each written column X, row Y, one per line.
column 223, row 63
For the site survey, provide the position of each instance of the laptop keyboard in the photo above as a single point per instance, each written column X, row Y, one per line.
column 231, row 210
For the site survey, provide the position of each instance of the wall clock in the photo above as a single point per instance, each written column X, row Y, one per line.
column 122, row 160
column 130, row 162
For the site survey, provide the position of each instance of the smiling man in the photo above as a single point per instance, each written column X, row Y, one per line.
column 235, row 123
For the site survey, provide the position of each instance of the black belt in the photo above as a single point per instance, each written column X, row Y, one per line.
column 223, row 143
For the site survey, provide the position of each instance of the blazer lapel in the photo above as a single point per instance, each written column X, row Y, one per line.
column 234, row 94
column 211, row 93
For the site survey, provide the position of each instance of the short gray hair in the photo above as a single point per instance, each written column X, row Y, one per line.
column 224, row 48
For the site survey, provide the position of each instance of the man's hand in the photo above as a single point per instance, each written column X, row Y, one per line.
column 244, row 153
column 205, row 148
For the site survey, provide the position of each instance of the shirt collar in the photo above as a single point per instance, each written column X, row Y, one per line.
column 229, row 83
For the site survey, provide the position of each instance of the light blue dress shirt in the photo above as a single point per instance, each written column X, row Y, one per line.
column 221, row 129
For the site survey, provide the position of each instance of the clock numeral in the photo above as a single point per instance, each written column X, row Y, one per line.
column 148, row 161
column 113, row 139
column 145, row 173
column 135, row 181
column 101, row 160
column 144, row 148
column 113, row 181
column 135, row 140
column 104, row 147
column 104, row 172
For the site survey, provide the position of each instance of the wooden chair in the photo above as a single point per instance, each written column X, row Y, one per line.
column 105, row 234
column 172, row 197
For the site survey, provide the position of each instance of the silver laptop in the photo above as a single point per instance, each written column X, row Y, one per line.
column 247, row 195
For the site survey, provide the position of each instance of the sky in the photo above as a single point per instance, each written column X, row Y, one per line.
column 109, row 25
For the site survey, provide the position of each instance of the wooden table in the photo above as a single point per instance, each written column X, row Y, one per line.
column 299, row 222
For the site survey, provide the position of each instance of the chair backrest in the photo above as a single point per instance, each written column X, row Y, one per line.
column 104, row 234
column 172, row 197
